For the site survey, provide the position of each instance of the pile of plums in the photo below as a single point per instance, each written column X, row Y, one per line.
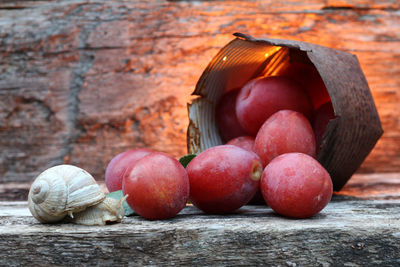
column 272, row 127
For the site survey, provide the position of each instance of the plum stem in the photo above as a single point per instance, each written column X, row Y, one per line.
column 256, row 170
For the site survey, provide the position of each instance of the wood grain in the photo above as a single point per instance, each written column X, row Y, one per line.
column 82, row 81
column 252, row 236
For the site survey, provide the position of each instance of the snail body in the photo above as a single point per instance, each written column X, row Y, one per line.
column 109, row 210
column 61, row 191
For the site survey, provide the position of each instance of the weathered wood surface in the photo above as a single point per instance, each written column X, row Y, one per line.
column 346, row 233
column 373, row 186
column 81, row 81
column 359, row 227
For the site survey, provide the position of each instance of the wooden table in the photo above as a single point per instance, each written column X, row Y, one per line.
column 350, row 231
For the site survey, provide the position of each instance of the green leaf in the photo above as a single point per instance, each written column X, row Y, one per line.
column 118, row 195
column 186, row 159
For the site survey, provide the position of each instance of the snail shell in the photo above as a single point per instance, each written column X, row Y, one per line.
column 62, row 190
column 109, row 210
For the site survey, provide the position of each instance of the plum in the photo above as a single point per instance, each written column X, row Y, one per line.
column 223, row 178
column 245, row 142
column 119, row 164
column 158, row 186
column 225, row 113
column 296, row 185
column 308, row 77
column 262, row 97
column 285, row 131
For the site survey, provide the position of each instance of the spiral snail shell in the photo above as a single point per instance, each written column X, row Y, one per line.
column 62, row 190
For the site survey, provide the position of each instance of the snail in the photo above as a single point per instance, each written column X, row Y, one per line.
column 64, row 190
